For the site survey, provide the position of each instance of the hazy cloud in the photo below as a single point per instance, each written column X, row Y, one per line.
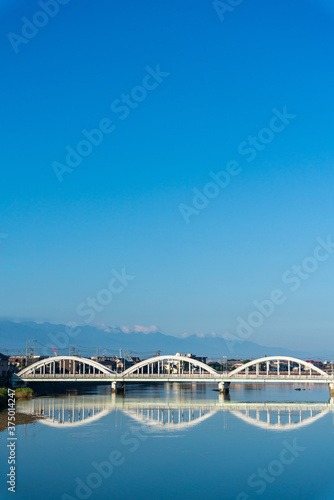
column 139, row 329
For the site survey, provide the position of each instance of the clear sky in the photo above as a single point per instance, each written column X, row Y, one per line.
column 180, row 90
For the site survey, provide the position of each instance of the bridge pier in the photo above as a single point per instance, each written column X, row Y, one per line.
column 224, row 387
column 224, row 397
column 117, row 387
column 331, row 389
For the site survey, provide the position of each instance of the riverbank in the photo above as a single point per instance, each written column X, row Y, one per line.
column 20, row 419
column 20, row 393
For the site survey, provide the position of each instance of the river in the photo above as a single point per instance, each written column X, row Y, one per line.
column 174, row 442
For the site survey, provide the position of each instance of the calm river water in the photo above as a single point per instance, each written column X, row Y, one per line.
column 175, row 442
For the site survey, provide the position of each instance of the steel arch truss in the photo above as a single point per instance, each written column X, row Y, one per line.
column 170, row 365
column 281, row 361
column 64, row 365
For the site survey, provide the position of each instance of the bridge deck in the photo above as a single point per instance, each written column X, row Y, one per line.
column 182, row 378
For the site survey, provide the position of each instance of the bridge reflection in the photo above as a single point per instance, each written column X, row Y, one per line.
column 165, row 415
column 281, row 419
column 171, row 418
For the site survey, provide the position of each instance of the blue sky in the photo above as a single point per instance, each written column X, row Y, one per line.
column 120, row 207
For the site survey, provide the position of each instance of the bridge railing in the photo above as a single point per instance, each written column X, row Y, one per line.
column 204, row 376
column 120, row 375
column 172, row 375
column 280, row 375
column 69, row 375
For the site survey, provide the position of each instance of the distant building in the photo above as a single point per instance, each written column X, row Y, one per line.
column 33, row 359
column 4, row 366
column 115, row 363
column 17, row 360
column 123, row 365
column 236, row 364
column 192, row 356
column 135, row 359
column 111, row 364
column 319, row 364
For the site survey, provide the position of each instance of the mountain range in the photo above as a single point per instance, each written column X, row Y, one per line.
column 87, row 339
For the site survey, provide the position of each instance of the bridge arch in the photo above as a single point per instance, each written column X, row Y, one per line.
column 279, row 426
column 169, row 418
column 268, row 359
column 64, row 365
column 160, row 364
column 67, row 411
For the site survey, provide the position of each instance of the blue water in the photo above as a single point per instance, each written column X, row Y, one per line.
column 174, row 442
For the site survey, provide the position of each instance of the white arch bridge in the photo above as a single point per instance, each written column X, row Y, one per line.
column 176, row 368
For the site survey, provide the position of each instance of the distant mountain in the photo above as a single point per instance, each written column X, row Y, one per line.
column 13, row 337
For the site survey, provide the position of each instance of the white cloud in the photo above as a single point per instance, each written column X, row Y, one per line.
column 200, row 335
column 139, row 329
column 102, row 326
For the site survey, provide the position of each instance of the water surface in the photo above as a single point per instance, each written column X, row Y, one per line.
column 171, row 441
